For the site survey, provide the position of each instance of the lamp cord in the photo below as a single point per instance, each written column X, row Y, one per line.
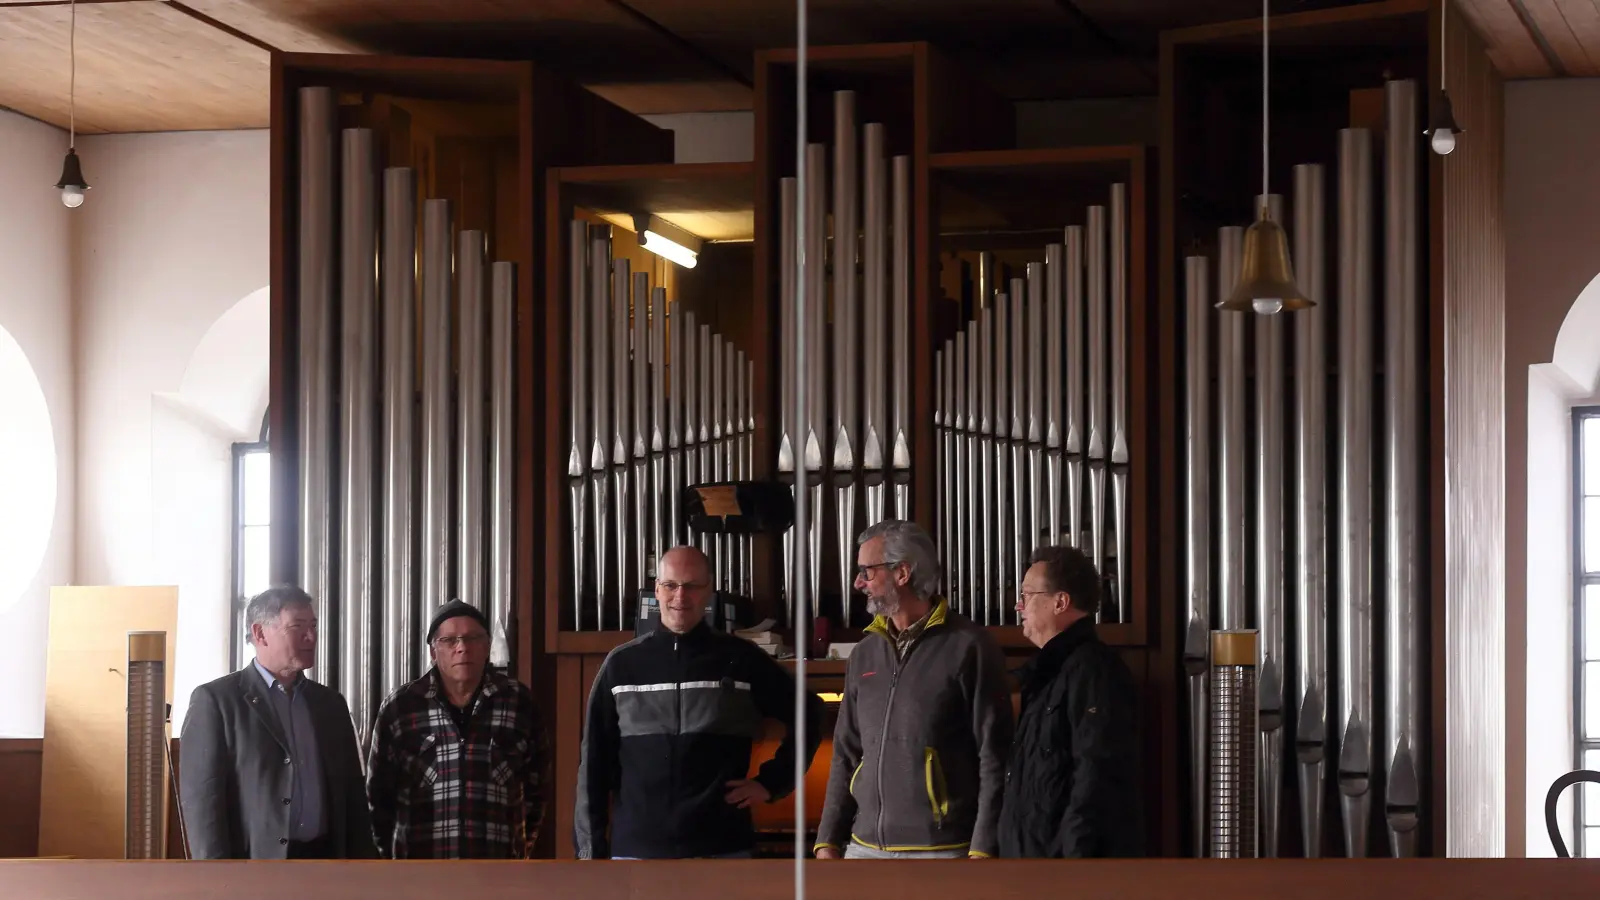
column 1265, row 113
column 1444, row 10
column 72, row 79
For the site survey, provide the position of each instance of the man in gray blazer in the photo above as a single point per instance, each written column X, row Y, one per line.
column 269, row 767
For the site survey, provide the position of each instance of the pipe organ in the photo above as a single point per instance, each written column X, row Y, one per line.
column 1031, row 416
column 405, row 457
column 659, row 403
column 1314, row 696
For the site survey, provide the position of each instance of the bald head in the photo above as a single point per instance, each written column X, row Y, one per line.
column 683, row 588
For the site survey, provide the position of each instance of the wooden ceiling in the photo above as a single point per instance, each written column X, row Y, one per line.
column 166, row 65
column 1538, row 38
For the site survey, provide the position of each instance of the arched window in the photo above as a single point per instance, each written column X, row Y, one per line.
column 252, row 530
column 1586, row 619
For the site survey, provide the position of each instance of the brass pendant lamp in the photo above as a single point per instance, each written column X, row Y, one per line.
column 1266, row 277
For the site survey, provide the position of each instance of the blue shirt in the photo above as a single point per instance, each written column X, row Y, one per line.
column 306, row 819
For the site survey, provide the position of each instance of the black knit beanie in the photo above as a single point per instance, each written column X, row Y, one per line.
column 450, row 611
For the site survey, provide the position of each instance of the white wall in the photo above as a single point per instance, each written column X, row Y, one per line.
column 1552, row 192
column 172, row 258
column 36, row 310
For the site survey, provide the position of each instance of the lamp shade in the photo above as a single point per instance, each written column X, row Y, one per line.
column 72, row 184
column 1266, row 277
column 1442, row 128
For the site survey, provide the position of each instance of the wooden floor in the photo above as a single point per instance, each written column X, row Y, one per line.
column 773, row 880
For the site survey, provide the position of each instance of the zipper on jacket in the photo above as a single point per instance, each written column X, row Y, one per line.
column 894, row 679
column 677, row 693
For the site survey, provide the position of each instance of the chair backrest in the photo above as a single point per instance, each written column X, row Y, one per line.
column 1550, row 823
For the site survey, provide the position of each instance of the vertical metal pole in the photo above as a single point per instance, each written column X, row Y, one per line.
column 974, row 496
column 1405, row 751
column 1311, row 551
column 502, row 419
column 578, row 455
column 900, row 336
column 1197, row 527
column 941, row 400
column 1269, row 553
column 958, row 483
column 470, row 430
column 988, row 512
column 1099, row 436
column 676, row 364
column 846, row 318
column 816, row 395
column 437, row 375
column 789, row 374
column 1021, row 487
column 1005, row 513
column 600, row 452
column 661, row 485
column 399, row 426
column 643, row 534
column 621, row 433
column 1354, row 537
column 317, row 280
column 1073, row 442
column 1230, row 437
column 1120, row 514
column 875, row 301
column 1054, row 389
column 358, row 246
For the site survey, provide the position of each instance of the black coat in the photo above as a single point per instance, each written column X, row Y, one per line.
column 1072, row 781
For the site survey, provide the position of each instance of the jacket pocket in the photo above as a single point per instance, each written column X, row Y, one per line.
column 506, row 760
column 854, row 775
column 938, row 792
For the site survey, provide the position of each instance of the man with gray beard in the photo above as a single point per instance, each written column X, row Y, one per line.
column 920, row 748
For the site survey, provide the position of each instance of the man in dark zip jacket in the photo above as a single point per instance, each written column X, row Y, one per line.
column 1072, row 783
column 672, row 719
column 920, row 746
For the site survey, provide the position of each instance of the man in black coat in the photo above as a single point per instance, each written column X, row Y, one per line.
column 1072, row 782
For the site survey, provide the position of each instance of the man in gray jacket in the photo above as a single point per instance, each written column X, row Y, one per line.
column 269, row 767
column 920, row 747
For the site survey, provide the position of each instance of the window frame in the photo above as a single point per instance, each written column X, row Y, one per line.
column 1582, row 579
column 238, row 600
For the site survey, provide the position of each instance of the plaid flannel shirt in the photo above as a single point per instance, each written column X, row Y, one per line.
column 439, row 794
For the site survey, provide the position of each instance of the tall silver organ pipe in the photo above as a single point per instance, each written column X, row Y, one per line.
column 875, row 307
column 470, row 444
column 599, row 305
column 578, row 455
column 1269, row 571
column 900, row 337
column 1197, row 525
column 358, row 281
column 399, row 285
column 502, row 445
column 1121, row 515
column 1353, row 540
column 437, row 376
column 317, row 281
column 1405, row 749
column 1230, row 439
column 1311, row 552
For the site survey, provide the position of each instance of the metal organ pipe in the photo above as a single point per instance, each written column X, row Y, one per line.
column 1354, row 455
column 599, row 281
column 470, row 420
column 1269, row 570
column 358, row 252
column 1197, row 525
column 502, row 387
column 875, row 284
column 582, row 437
column 1230, row 438
column 1119, row 458
column 317, row 274
column 900, row 337
column 1311, row 552
column 1405, row 750
column 1098, row 439
column 436, row 411
column 399, row 285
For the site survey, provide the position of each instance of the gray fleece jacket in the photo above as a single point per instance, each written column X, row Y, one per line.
column 919, row 751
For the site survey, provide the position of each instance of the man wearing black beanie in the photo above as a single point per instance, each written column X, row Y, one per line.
column 458, row 757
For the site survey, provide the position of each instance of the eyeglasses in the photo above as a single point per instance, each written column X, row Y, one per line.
column 865, row 572
column 1024, row 595
column 672, row 587
column 453, row 641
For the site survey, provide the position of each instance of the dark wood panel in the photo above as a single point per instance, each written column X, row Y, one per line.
column 773, row 879
column 20, row 763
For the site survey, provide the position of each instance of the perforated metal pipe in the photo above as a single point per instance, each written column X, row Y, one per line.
column 145, row 816
column 1234, row 737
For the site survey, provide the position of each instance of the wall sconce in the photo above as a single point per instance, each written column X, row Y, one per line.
column 667, row 240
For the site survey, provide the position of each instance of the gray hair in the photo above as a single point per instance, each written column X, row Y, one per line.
column 267, row 606
column 907, row 542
